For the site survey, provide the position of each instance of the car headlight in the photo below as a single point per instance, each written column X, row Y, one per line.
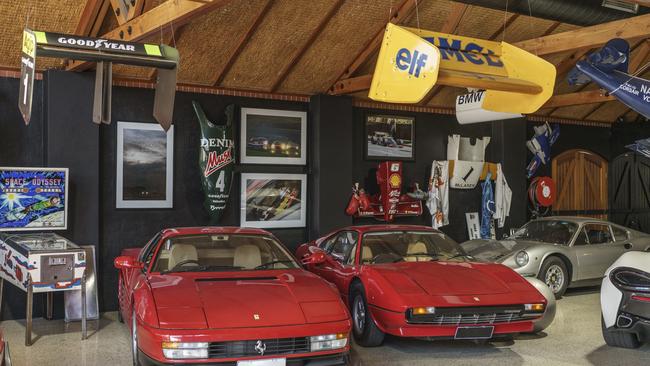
column 179, row 351
column 423, row 310
column 328, row 342
column 521, row 258
column 534, row 309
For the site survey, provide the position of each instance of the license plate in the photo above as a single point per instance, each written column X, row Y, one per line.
column 269, row 362
column 474, row 332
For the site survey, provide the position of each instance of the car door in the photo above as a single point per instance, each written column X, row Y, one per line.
column 342, row 250
column 596, row 250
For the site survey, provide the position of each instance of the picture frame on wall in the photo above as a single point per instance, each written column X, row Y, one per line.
column 389, row 137
column 273, row 200
column 270, row 136
column 145, row 166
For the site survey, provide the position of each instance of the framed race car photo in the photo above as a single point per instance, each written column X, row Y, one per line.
column 273, row 200
column 389, row 137
column 270, row 136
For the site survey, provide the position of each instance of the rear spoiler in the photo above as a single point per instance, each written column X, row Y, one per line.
column 104, row 52
column 412, row 61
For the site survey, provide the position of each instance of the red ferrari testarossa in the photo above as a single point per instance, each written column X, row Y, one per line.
column 414, row 281
column 229, row 296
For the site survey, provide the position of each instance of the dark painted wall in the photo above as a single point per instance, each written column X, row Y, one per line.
column 62, row 134
column 431, row 133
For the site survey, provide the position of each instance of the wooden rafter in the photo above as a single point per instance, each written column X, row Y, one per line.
column 93, row 13
column 404, row 10
column 288, row 66
column 583, row 97
column 178, row 12
column 589, row 37
column 241, row 43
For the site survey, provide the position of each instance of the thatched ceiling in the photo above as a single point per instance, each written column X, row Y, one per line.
column 295, row 46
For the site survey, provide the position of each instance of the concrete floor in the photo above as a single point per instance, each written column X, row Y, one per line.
column 573, row 339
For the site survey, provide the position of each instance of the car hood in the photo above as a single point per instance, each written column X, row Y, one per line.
column 244, row 299
column 439, row 278
column 496, row 250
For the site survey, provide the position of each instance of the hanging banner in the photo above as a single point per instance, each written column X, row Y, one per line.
column 608, row 67
column 411, row 61
column 27, row 73
column 216, row 161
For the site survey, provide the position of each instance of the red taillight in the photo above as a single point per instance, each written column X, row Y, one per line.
column 641, row 298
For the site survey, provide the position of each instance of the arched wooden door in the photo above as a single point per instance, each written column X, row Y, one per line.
column 630, row 191
column 581, row 178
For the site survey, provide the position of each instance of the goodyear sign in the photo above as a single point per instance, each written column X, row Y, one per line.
column 515, row 80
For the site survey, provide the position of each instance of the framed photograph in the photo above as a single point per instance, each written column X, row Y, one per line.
column 145, row 166
column 270, row 136
column 273, row 200
column 390, row 137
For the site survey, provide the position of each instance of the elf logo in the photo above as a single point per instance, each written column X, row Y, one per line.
column 413, row 62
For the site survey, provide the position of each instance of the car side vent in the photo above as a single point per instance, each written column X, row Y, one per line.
column 231, row 279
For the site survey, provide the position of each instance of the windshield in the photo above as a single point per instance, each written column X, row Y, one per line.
column 202, row 253
column 409, row 246
column 547, row 231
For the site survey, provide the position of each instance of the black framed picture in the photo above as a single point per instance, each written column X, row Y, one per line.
column 390, row 137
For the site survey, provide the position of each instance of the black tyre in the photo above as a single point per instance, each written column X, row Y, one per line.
column 615, row 338
column 555, row 275
column 134, row 340
column 364, row 328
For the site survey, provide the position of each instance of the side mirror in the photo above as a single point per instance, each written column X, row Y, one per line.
column 318, row 257
column 126, row 261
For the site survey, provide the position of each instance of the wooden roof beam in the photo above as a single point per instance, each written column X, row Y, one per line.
column 398, row 16
column 589, row 37
column 178, row 12
column 94, row 13
column 241, row 43
column 288, row 66
column 584, row 97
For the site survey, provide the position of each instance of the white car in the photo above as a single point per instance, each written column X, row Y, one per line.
column 625, row 301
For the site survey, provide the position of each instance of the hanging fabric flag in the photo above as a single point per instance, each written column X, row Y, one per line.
column 438, row 197
column 216, row 161
column 487, row 208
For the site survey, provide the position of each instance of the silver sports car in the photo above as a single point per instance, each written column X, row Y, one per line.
column 561, row 251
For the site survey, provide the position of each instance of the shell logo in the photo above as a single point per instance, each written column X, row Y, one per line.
column 395, row 181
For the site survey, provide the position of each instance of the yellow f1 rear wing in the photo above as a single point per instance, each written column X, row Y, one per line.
column 412, row 61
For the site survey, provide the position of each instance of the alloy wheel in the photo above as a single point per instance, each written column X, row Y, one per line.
column 554, row 278
column 359, row 314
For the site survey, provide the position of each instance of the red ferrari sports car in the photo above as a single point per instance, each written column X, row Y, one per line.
column 228, row 296
column 414, row 281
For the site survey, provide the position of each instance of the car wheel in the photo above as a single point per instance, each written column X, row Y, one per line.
column 134, row 340
column 555, row 275
column 364, row 328
column 620, row 339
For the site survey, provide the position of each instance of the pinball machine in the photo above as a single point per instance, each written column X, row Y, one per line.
column 33, row 204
